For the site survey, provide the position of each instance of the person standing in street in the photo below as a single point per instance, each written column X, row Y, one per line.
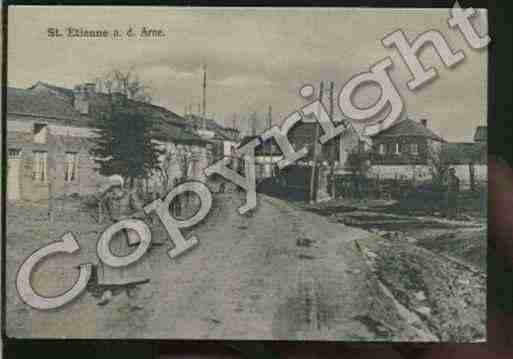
column 453, row 188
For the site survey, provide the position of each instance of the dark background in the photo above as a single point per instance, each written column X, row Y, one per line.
column 500, row 138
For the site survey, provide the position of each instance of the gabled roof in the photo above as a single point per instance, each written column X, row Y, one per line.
column 481, row 134
column 408, row 127
column 62, row 90
column 221, row 132
column 58, row 109
column 41, row 104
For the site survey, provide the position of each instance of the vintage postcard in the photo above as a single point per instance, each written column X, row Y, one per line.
column 246, row 173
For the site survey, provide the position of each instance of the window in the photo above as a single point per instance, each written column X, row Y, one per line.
column 70, row 167
column 40, row 164
column 14, row 153
column 414, row 149
column 397, row 151
column 381, row 149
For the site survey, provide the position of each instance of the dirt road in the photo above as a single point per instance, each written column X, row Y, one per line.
column 278, row 273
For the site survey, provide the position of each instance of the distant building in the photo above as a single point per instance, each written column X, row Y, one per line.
column 267, row 155
column 406, row 142
column 220, row 139
column 469, row 159
column 465, row 153
column 400, row 151
column 406, row 149
column 49, row 136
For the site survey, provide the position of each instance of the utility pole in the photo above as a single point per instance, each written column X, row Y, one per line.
column 313, row 187
column 252, row 123
column 204, row 94
column 335, row 145
column 270, row 151
column 50, row 173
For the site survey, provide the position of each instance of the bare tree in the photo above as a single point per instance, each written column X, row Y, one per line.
column 125, row 143
column 126, row 82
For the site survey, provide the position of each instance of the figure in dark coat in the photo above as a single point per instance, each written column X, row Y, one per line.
column 453, row 187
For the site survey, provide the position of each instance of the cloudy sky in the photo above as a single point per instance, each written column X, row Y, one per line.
column 254, row 57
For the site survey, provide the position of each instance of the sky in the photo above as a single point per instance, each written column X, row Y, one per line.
column 255, row 58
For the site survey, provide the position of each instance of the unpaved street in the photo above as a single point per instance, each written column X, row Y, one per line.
column 277, row 273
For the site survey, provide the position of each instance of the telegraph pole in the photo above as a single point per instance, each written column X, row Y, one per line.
column 204, row 95
column 252, row 123
column 50, row 173
column 313, row 187
column 335, row 145
column 270, row 152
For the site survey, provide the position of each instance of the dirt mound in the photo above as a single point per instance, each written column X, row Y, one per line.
column 448, row 295
column 468, row 246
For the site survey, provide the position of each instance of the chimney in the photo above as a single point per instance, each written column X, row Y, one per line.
column 424, row 122
column 81, row 99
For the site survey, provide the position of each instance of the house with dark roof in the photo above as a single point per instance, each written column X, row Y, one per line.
column 406, row 149
column 403, row 150
column 49, row 137
column 406, row 142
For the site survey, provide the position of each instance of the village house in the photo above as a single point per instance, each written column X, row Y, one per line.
column 330, row 157
column 221, row 139
column 49, row 136
column 404, row 150
column 407, row 150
